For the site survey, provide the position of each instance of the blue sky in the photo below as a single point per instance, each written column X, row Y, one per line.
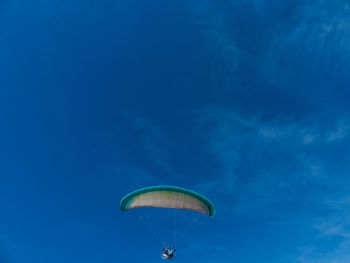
column 246, row 102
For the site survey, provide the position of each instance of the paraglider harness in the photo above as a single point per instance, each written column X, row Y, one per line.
column 168, row 253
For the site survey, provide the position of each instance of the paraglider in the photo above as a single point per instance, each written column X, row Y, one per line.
column 165, row 196
column 168, row 253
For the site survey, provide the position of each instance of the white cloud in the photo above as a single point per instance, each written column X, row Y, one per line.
column 232, row 134
column 336, row 223
column 340, row 132
column 308, row 138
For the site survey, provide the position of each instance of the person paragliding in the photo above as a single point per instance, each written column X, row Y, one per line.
column 167, row 196
column 168, row 252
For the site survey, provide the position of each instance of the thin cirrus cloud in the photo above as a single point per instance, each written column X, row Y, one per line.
column 340, row 132
column 285, row 156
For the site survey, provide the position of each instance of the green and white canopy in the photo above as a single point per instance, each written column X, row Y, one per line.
column 168, row 197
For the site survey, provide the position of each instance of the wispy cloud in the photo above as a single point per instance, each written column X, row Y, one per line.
column 335, row 225
column 259, row 158
column 155, row 141
column 341, row 131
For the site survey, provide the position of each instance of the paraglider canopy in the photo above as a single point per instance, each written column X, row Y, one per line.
column 168, row 197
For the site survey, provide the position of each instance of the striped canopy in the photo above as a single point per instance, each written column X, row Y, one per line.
column 168, row 197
